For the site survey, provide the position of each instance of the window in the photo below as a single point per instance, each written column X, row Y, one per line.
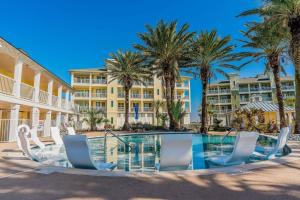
column 112, row 104
column 112, row 90
column 157, row 92
column 111, row 120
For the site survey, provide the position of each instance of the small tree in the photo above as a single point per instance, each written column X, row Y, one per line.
column 93, row 117
column 178, row 112
column 164, row 118
column 157, row 106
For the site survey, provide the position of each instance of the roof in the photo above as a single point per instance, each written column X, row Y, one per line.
column 265, row 106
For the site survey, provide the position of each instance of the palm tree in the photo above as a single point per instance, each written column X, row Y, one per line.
column 93, row 117
column 285, row 13
column 166, row 49
column 164, row 117
column 127, row 67
column 268, row 42
column 178, row 112
column 210, row 54
column 157, row 106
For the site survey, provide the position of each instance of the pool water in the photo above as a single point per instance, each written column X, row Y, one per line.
column 144, row 151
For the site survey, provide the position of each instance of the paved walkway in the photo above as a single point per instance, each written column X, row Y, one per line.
column 18, row 181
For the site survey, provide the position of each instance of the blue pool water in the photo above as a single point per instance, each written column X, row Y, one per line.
column 144, row 152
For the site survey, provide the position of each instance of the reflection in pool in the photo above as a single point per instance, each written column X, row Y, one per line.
column 144, row 152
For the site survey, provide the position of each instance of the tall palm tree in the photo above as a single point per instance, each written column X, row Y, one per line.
column 211, row 54
column 285, row 13
column 166, row 49
column 268, row 42
column 157, row 106
column 127, row 67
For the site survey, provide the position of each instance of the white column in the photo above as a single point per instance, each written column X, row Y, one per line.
column 58, row 119
column 59, row 96
column 35, row 117
column 67, row 99
column 18, row 77
column 47, row 123
column 14, row 120
column 36, row 85
column 66, row 118
column 50, row 91
column 90, row 92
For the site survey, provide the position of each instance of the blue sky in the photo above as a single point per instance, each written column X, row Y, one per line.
column 64, row 34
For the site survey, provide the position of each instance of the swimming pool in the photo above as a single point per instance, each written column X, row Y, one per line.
column 143, row 152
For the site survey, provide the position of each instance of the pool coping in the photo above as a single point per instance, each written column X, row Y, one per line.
column 234, row 170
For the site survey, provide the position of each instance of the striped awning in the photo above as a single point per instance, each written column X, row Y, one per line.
column 265, row 106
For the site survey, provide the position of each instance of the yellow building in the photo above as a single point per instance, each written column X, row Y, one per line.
column 30, row 94
column 93, row 88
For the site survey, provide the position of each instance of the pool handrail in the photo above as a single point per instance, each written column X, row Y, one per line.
column 78, row 153
column 35, row 138
column 71, row 130
column 55, row 135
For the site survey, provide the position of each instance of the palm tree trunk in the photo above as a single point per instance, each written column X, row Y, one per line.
column 126, row 125
column 294, row 25
column 173, row 123
column 275, row 65
column 204, row 78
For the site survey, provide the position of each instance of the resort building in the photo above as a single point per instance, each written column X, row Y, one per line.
column 30, row 94
column 93, row 88
column 226, row 96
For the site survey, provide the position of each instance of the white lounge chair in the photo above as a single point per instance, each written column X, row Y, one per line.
column 272, row 152
column 175, row 152
column 243, row 148
column 39, row 155
column 55, row 135
column 79, row 156
column 71, row 131
column 35, row 138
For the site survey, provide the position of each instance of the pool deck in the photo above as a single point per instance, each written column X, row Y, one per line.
column 23, row 179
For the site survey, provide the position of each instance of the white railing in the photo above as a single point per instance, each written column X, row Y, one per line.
column 99, row 81
column 288, row 87
column 135, row 96
column 99, row 95
column 63, row 103
column 244, row 89
column 26, row 91
column 81, row 81
column 82, row 94
column 213, row 101
column 213, row 91
column 6, row 85
column 148, row 96
column 245, row 100
column 225, row 100
column 148, row 109
column 264, row 88
column 121, row 95
column 54, row 100
column 43, row 97
column 224, row 91
column 4, row 129
column 121, row 108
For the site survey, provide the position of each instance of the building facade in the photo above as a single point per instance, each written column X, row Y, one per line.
column 30, row 94
column 93, row 88
column 229, row 95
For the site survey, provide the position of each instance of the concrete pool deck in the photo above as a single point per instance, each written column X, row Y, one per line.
column 23, row 179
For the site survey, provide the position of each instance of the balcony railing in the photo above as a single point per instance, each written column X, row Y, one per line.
column 27, row 91
column 148, row 83
column 265, row 88
column 225, row 91
column 99, row 95
column 135, row 96
column 213, row 100
column 254, row 89
column 267, row 98
column 244, row 100
column 54, row 100
column 99, row 81
column 43, row 97
column 81, row 81
column 82, row 94
column 148, row 109
column 6, row 85
column 121, row 108
column 148, row 96
column 225, row 110
column 63, row 104
column 288, row 87
column 225, row 100
column 121, row 95
column 212, row 91
column 244, row 89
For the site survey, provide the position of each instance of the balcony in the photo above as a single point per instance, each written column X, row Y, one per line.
column 82, row 94
column 121, row 108
column 99, row 95
column 148, row 109
column 288, row 87
column 99, row 81
column 225, row 100
column 213, row 100
column 267, row 98
column 224, row 91
column 27, row 92
column 54, row 100
column 213, row 91
column 225, row 110
column 244, row 100
column 121, row 95
column 148, row 83
column 148, row 96
column 265, row 88
column 81, row 81
column 243, row 89
column 6, row 85
column 135, row 96
column 43, row 97
column 254, row 89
